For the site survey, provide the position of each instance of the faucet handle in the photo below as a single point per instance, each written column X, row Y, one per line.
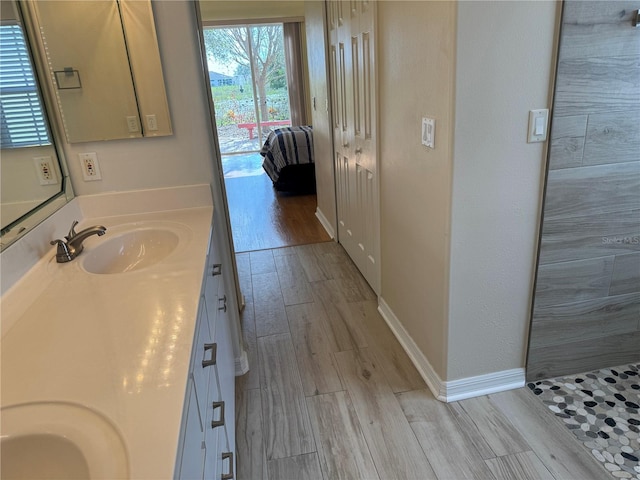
column 72, row 231
column 65, row 252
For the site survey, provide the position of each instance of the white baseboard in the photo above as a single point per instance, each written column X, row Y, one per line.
column 456, row 389
column 421, row 362
column 484, row 384
column 325, row 223
column 242, row 363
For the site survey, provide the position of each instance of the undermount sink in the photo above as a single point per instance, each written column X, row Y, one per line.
column 131, row 250
column 59, row 440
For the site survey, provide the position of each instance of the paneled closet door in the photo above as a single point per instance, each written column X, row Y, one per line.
column 352, row 67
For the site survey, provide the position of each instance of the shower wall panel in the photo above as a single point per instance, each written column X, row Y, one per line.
column 586, row 310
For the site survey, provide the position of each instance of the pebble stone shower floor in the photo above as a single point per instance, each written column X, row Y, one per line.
column 601, row 409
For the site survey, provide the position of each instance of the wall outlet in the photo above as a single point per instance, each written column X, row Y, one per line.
column 45, row 170
column 90, row 166
column 132, row 124
column 152, row 123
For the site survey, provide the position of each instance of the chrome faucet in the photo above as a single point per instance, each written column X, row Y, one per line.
column 72, row 247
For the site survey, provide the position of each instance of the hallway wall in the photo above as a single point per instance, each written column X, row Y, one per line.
column 587, row 299
column 459, row 222
column 416, row 78
column 504, row 68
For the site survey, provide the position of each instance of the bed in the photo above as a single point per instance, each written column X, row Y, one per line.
column 288, row 159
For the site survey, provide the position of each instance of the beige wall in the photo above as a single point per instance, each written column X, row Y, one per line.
column 460, row 222
column 182, row 159
column 416, row 54
column 217, row 10
column 505, row 63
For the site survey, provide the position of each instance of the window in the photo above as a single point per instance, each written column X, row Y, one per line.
column 21, row 114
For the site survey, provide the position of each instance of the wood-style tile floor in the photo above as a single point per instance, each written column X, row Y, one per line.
column 332, row 395
column 263, row 218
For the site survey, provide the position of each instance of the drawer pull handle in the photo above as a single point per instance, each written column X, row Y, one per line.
column 224, row 303
column 228, row 476
column 220, row 421
column 214, row 349
column 217, row 269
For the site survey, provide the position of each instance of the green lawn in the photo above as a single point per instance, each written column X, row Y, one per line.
column 234, row 106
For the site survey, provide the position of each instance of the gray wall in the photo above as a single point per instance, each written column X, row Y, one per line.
column 586, row 311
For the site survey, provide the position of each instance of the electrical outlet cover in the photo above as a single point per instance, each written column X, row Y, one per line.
column 152, row 123
column 45, row 170
column 132, row 124
column 90, row 166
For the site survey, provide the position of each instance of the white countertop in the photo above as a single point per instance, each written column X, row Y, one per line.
column 118, row 344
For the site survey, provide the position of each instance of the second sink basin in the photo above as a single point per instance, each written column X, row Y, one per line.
column 60, row 440
column 131, row 250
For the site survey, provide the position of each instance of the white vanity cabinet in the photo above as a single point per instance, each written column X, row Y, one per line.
column 207, row 444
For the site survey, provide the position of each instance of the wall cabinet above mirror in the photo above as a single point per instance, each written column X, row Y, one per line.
column 104, row 67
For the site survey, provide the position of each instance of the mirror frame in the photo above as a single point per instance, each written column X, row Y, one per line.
column 20, row 227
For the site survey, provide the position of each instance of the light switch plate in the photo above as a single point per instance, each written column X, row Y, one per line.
column 539, row 119
column 429, row 132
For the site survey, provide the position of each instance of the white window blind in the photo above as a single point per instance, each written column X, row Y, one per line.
column 22, row 119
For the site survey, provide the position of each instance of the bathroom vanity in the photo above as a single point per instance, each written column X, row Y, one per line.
column 208, row 432
column 122, row 360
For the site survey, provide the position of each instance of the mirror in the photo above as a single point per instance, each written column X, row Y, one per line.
column 104, row 67
column 57, row 35
column 31, row 173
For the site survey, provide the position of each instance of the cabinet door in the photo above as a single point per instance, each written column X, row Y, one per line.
column 211, row 286
column 193, row 446
column 212, row 435
column 226, row 367
column 213, row 424
column 205, row 352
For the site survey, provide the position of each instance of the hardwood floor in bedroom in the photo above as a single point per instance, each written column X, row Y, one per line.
column 262, row 218
column 331, row 394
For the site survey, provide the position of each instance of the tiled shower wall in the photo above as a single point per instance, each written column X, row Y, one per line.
column 586, row 311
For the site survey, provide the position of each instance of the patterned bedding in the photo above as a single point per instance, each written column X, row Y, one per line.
column 286, row 146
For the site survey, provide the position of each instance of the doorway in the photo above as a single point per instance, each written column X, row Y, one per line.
column 251, row 69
